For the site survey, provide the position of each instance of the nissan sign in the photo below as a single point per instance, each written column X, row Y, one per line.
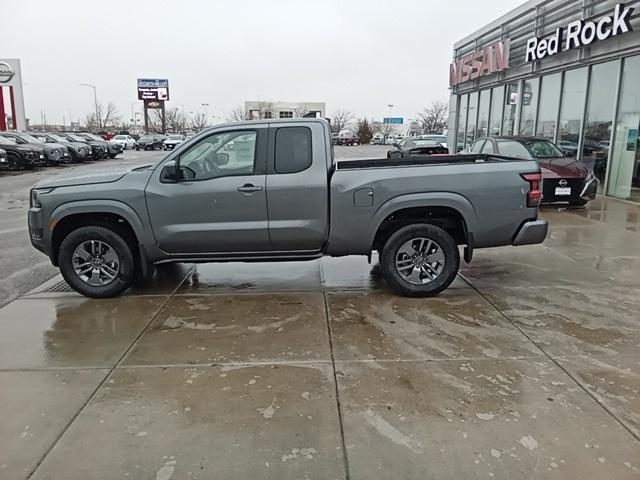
column 580, row 33
column 490, row 59
column 6, row 72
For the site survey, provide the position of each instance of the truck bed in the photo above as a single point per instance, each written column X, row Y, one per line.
column 417, row 160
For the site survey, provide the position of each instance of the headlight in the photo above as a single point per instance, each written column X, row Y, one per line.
column 35, row 196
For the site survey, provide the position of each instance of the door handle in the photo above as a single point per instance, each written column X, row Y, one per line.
column 250, row 188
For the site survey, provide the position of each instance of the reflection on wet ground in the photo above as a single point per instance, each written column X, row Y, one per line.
column 527, row 367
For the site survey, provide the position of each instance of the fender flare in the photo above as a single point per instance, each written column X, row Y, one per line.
column 96, row 207
column 450, row 200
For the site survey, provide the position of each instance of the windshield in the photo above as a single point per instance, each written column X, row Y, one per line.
column 146, row 137
column 75, row 138
column 425, row 143
column 90, row 136
column 30, row 138
column 528, row 148
column 7, row 140
column 120, row 137
column 175, row 137
column 56, row 138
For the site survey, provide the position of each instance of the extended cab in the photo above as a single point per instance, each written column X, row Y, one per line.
column 270, row 190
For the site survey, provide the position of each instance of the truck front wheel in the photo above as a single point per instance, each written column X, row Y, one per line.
column 420, row 260
column 96, row 262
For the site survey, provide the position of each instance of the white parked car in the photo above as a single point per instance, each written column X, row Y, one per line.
column 127, row 141
column 172, row 141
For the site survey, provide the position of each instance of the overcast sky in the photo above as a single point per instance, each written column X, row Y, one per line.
column 358, row 55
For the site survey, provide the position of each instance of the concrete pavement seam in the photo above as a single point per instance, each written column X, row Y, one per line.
column 106, row 377
column 558, row 364
column 335, row 377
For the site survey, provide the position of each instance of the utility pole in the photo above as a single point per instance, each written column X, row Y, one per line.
column 206, row 113
column 95, row 99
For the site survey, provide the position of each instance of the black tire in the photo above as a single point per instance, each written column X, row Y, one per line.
column 391, row 249
column 126, row 272
column 13, row 161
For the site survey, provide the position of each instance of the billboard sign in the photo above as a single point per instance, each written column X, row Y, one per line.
column 153, row 89
column 396, row 120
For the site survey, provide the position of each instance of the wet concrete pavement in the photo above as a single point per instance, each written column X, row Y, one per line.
column 527, row 367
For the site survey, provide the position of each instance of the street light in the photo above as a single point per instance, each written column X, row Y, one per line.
column 95, row 99
column 206, row 112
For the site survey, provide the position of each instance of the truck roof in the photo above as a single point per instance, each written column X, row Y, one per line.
column 270, row 121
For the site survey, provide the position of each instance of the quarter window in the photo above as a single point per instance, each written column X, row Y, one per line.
column 293, row 149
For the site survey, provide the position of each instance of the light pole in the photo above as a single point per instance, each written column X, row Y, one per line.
column 388, row 129
column 95, row 99
column 206, row 113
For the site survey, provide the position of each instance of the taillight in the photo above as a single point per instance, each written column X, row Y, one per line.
column 534, row 195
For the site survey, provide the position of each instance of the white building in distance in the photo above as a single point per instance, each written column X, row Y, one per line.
column 265, row 109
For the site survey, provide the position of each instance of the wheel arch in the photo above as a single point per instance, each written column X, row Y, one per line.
column 114, row 215
column 451, row 212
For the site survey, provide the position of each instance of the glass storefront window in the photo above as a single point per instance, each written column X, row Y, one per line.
column 624, row 177
column 462, row 122
column 597, row 128
column 548, row 108
column 483, row 114
column 574, row 91
column 529, row 106
column 495, row 117
column 511, row 104
column 471, row 118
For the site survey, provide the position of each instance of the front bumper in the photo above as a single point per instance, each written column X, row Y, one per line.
column 37, row 231
column 531, row 232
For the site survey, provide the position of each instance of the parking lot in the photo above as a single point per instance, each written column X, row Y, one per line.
column 528, row 366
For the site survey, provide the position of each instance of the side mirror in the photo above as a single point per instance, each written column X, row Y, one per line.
column 169, row 173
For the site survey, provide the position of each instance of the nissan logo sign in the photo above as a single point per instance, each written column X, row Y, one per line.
column 562, row 183
column 6, row 72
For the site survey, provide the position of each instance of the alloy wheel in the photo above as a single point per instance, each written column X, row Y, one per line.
column 96, row 263
column 420, row 261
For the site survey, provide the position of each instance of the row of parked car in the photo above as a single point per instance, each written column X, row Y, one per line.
column 22, row 150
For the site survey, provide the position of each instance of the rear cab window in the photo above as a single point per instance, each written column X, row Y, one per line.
column 293, row 152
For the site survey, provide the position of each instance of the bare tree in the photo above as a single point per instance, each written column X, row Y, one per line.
column 340, row 119
column 263, row 109
column 301, row 110
column 237, row 115
column 198, row 121
column 434, row 118
column 176, row 121
column 107, row 117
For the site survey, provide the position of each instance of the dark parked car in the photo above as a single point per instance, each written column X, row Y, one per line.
column 79, row 151
column 411, row 146
column 149, row 142
column 3, row 159
column 113, row 148
column 564, row 179
column 54, row 153
column 98, row 149
column 27, row 156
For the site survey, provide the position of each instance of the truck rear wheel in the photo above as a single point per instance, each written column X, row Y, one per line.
column 420, row 260
column 96, row 262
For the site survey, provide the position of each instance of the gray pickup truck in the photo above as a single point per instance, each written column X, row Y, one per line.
column 272, row 191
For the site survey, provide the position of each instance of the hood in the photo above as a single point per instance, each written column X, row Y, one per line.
column 564, row 167
column 92, row 177
column 33, row 147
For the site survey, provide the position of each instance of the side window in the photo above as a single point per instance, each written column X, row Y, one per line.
column 220, row 155
column 476, row 147
column 488, row 147
column 293, row 149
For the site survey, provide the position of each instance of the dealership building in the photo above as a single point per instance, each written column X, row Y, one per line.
column 566, row 70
